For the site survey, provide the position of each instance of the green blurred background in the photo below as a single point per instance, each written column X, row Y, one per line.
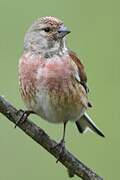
column 95, row 37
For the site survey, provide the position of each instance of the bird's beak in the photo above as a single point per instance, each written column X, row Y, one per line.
column 63, row 31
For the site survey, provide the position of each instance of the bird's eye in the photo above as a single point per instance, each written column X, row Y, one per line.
column 47, row 29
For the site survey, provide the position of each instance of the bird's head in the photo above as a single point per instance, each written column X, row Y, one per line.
column 46, row 34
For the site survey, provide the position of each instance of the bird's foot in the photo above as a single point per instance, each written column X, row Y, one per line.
column 61, row 146
column 23, row 117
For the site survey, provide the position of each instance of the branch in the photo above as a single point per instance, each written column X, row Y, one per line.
column 73, row 165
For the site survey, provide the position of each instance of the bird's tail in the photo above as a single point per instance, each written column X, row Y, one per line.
column 85, row 123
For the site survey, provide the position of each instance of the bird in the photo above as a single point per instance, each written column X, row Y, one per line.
column 52, row 78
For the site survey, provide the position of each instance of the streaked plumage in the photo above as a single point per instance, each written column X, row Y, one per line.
column 53, row 82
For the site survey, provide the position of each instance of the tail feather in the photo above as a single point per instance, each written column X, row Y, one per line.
column 85, row 123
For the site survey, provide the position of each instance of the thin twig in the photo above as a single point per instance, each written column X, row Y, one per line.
column 37, row 134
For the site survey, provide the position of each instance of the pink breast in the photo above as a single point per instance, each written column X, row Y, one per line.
column 28, row 75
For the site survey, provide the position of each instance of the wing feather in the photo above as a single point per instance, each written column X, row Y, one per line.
column 82, row 73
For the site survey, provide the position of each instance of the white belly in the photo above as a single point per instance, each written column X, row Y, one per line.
column 56, row 109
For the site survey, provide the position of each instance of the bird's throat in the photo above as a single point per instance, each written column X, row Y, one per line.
column 59, row 49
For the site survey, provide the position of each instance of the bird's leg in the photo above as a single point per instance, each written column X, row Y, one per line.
column 23, row 117
column 61, row 144
column 63, row 138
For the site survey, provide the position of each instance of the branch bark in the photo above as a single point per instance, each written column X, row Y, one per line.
column 73, row 165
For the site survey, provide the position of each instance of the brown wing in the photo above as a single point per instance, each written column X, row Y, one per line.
column 82, row 74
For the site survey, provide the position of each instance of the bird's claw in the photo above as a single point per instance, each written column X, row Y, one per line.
column 61, row 146
column 23, row 117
